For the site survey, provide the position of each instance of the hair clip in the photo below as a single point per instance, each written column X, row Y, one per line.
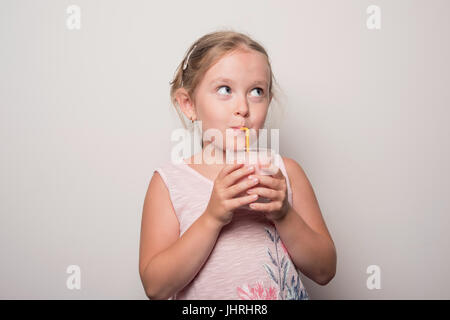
column 187, row 59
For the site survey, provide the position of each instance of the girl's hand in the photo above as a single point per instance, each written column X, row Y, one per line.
column 273, row 187
column 223, row 198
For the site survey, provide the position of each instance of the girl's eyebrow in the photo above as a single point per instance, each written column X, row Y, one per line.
column 222, row 79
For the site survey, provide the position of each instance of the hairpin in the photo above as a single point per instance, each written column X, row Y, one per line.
column 187, row 59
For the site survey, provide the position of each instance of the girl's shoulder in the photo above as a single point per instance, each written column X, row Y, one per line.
column 285, row 163
column 170, row 172
column 295, row 171
column 288, row 162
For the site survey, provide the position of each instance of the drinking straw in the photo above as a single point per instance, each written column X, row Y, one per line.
column 247, row 137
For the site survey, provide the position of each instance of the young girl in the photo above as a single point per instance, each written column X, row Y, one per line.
column 195, row 242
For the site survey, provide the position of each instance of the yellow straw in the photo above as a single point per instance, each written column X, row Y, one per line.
column 247, row 137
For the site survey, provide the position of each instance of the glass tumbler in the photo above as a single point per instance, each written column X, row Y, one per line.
column 265, row 162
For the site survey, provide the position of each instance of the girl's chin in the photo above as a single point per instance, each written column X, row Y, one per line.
column 235, row 147
column 237, row 144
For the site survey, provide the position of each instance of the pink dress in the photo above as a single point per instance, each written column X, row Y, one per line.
column 249, row 261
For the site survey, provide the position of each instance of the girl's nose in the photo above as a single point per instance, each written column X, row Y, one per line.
column 242, row 108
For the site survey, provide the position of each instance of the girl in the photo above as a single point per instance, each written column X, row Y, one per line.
column 195, row 243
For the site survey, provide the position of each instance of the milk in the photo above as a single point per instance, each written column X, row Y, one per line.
column 265, row 163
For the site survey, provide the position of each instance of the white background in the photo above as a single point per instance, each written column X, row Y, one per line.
column 86, row 117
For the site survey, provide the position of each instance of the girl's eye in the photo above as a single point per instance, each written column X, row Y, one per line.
column 227, row 87
column 223, row 87
column 262, row 91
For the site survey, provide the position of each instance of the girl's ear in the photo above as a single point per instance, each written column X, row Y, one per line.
column 185, row 103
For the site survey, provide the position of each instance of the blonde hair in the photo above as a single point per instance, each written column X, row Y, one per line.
column 205, row 52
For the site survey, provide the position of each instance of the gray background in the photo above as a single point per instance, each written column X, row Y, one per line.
column 86, row 117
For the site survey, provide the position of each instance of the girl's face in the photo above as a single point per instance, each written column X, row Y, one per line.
column 234, row 93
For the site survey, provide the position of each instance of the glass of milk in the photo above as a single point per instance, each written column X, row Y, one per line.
column 265, row 162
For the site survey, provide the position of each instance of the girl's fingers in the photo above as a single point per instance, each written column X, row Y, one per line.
column 267, row 207
column 243, row 185
column 242, row 201
column 234, row 176
column 266, row 193
column 228, row 169
column 270, row 182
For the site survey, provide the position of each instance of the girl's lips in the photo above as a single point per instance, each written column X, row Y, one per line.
column 237, row 129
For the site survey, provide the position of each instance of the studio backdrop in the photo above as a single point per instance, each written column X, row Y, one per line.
column 86, row 117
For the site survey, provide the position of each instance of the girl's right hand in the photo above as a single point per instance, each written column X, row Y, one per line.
column 222, row 201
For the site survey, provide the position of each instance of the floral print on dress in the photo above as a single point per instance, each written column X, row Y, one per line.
column 257, row 292
column 293, row 290
column 284, row 289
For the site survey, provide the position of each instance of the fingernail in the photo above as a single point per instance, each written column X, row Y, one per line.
column 251, row 168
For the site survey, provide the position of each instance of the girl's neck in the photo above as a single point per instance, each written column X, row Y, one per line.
column 212, row 157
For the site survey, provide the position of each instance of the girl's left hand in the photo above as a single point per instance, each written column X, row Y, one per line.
column 273, row 187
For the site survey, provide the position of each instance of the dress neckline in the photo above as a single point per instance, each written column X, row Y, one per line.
column 189, row 168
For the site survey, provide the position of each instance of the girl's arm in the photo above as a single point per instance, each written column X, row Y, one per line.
column 169, row 263
column 304, row 232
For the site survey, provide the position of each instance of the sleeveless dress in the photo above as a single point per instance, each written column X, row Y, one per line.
column 249, row 261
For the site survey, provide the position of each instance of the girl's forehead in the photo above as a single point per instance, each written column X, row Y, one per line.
column 246, row 59
column 234, row 66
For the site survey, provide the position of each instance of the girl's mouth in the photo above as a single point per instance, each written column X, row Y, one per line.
column 238, row 130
